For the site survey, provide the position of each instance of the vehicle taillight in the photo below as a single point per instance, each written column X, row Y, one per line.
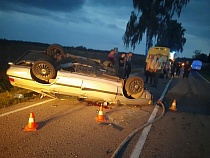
column 11, row 79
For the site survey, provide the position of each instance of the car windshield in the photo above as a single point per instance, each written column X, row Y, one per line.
column 31, row 56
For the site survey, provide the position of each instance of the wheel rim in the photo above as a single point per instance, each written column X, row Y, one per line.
column 43, row 70
column 135, row 86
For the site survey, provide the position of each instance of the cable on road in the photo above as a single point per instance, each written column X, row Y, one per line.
column 138, row 129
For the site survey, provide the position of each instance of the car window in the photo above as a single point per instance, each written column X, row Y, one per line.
column 32, row 55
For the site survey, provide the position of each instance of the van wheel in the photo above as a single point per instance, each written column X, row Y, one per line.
column 134, row 86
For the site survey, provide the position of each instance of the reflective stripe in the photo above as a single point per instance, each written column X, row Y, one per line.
column 31, row 120
column 100, row 112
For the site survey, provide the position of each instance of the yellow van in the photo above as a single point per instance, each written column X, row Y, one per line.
column 154, row 51
column 163, row 51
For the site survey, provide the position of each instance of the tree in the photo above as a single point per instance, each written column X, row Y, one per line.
column 150, row 17
column 197, row 53
column 200, row 56
column 172, row 36
column 203, row 57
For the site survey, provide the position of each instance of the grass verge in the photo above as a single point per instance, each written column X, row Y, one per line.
column 205, row 72
column 9, row 97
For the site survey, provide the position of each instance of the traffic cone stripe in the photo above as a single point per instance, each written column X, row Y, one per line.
column 100, row 113
column 100, row 117
column 31, row 120
column 31, row 123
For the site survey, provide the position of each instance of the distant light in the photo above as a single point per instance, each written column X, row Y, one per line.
column 172, row 55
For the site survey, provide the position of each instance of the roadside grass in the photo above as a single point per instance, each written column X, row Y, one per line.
column 205, row 72
column 9, row 97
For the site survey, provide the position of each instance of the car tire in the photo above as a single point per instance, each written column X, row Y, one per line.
column 54, row 49
column 134, row 86
column 43, row 70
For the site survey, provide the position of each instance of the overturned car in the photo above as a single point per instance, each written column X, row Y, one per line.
column 56, row 74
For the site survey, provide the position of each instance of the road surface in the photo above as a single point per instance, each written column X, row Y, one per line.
column 68, row 128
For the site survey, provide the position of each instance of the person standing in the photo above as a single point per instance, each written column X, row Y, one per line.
column 178, row 67
column 111, row 57
column 157, row 70
column 128, row 65
column 166, row 69
column 122, row 62
column 187, row 68
column 173, row 67
column 150, row 69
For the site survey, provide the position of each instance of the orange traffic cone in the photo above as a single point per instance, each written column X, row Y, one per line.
column 100, row 117
column 173, row 106
column 31, row 123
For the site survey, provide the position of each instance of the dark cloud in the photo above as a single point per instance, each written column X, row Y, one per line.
column 51, row 5
column 195, row 18
column 97, row 24
column 113, row 26
column 110, row 3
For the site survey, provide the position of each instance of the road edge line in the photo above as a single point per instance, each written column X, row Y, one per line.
column 202, row 77
column 14, row 111
column 142, row 139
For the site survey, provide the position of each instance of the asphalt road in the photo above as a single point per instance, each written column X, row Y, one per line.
column 68, row 128
column 183, row 133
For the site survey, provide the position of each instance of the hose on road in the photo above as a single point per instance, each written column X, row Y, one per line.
column 138, row 129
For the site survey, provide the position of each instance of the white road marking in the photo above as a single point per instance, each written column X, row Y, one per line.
column 202, row 77
column 139, row 145
column 14, row 111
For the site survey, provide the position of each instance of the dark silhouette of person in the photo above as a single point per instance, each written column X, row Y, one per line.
column 187, row 68
column 128, row 65
column 122, row 62
column 178, row 67
column 173, row 67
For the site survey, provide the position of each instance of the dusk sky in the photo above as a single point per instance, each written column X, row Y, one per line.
column 94, row 24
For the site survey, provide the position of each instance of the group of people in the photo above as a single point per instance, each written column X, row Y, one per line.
column 155, row 65
column 124, row 63
column 175, row 68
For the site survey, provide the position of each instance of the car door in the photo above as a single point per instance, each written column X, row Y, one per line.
column 100, row 88
column 67, row 83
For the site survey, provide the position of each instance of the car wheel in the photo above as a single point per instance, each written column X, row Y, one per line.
column 108, row 64
column 43, row 70
column 55, row 49
column 134, row 86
